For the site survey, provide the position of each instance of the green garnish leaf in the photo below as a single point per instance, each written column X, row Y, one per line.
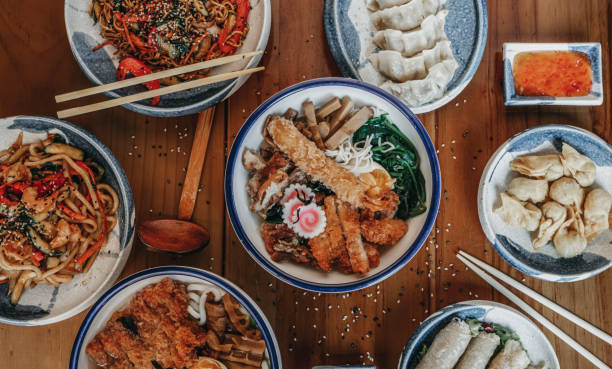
column 275, row 214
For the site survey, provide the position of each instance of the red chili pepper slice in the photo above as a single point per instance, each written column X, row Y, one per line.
column 136, row 68
column 37, row 257
column 49, row 184
column 243, row 7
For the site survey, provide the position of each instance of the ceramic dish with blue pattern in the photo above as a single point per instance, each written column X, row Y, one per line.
column 119, row 296
column 350, row 33
column 592, row 50
column 514, row 243
column 45, row 304
column 531, row 337
column 247, row 223
column 100, row 66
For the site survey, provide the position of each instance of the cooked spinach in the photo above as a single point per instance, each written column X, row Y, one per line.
column 128, row 323
column 275, row 214
column 402, row 162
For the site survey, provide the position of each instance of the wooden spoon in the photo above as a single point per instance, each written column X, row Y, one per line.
column 180, row 236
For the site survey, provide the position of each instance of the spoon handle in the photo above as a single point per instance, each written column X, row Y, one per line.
column 196, row 163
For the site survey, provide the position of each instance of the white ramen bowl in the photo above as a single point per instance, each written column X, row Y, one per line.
column 120, row 295
column 247, row 223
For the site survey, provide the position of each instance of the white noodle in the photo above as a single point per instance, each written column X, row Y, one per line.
column 357, row 157
column 197, row 301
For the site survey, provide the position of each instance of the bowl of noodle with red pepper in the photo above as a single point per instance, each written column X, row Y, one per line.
column 66, row 220
column 117, row 39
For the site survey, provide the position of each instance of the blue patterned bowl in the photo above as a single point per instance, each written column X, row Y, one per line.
column 100, row 66
column 46, row 304
column 349, row 33
column 513, row 243
column 247, row 224
column 532, row 338
column 121, row 293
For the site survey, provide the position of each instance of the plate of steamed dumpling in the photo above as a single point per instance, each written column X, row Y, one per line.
column 544, row 202
column 423, row 52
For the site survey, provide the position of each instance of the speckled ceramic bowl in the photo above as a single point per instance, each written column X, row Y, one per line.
column 100, row 66
column 121, row 294
column 532, row 338
column 247, row 223
column 349, row 34
column 514, row 243
column 46, row 304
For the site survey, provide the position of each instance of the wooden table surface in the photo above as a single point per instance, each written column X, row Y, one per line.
column 369, row 326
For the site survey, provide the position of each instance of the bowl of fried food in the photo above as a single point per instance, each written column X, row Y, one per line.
column 332, row 185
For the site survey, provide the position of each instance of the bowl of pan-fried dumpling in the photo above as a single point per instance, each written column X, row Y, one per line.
column 544, row 202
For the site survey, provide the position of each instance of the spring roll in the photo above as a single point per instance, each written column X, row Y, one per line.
column 511, row 357
column 447, row 347
column 479, row 351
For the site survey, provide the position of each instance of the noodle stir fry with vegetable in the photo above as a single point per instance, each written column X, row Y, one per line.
column 152, row 35
column 55, row 216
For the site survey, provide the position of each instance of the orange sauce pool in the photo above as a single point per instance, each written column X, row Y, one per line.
column 552, row 73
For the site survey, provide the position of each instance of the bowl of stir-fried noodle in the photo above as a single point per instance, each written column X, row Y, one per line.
column 66, row 220
column 116, row 39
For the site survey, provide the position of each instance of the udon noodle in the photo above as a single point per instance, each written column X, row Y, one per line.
column 54, row 215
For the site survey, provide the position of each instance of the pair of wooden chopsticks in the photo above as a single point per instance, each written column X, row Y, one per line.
column 476, row 265
column 157, row 92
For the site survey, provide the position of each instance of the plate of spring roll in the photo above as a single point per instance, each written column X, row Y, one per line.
column 478, row 335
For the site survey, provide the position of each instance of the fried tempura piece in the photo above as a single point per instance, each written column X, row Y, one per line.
column 384, row 232
column 329, row 247
column 349, row 219
column 312, row 160
column 373, row 254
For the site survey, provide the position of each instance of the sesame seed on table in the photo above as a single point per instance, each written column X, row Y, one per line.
column 369, row 326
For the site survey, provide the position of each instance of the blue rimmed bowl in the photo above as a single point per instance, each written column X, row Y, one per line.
column 46, row 304
column 514, row 243
column 534, row 341
column 349, row 33
column 100, row 66
column 120, row 295
column 592, row 50
column 247, row 224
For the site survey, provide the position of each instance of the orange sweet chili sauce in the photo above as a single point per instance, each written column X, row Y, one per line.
column 552, row 73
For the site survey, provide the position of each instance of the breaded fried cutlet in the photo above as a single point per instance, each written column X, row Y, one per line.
column 328, row 247
column 309, row 158
column 384, row 232
column 349, row 219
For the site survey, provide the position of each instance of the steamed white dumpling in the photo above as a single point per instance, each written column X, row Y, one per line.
column 413, row 42
column 407, row 16
column 383, row 4
column 518, row 214
column 566, row 191
column 553, row 216
column 578, row 166
column 596, row 213
column 422, row 91
column 393, row 65
column 548, row 167
column 570, row 240
column 526, row 189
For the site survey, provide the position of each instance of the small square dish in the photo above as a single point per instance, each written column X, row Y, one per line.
column 574, row 87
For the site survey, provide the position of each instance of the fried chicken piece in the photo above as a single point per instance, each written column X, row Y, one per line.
column 329, row 247
column 271, row 181
column 95, row 349
column 349, row 219
column 373, row 254
column 385, row 206
column 384, row 232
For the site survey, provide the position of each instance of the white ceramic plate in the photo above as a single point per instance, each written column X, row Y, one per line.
column 48, row 304
column 247, row 224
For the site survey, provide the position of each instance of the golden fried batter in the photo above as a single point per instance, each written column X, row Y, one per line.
column 384, row 232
